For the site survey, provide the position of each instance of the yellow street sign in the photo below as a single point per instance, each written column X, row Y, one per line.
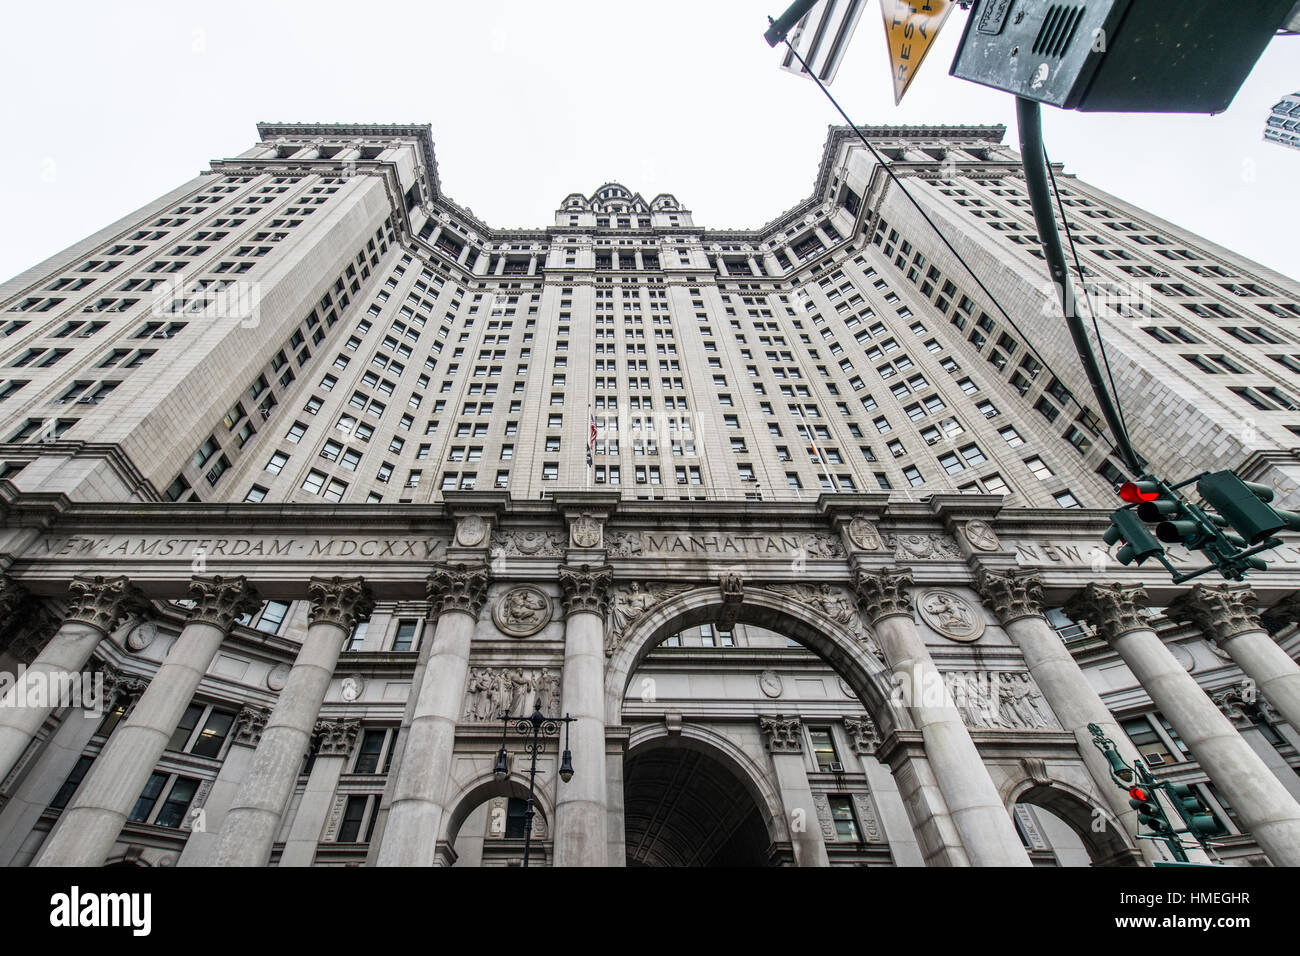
column 910, row 29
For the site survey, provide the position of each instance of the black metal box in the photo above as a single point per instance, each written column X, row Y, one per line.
column 1141, row 56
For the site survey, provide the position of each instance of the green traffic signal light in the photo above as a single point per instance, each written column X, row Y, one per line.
column 1139, row 544
column 1244, row 506
column 1200, row 821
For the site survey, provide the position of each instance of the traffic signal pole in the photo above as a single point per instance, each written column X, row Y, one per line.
column 1030, row 124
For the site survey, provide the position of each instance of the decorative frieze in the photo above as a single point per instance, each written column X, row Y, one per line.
column 1011, row 595
column 340, row 601
column 1112, row 609
column 518, row 691
column 528, row 544
column 832, row 603
column 334, row 738
column 923, row 547
column 457, row 587
column 586, row 589
column 783, row 735
column 883, row 593
column 632, row 603
column 102, row 602
column 999, row 700
column 1220, row 613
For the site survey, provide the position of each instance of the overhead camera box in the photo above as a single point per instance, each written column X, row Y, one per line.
column 1140, row 56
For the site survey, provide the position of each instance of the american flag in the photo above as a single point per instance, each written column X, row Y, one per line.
column 591, row 436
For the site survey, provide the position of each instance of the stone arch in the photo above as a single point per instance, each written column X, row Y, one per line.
column 484, row 788
column 844, row 653
column 755, row 779
column 1108, row 847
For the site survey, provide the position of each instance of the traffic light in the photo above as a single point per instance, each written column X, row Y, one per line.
column 1150, row 814
column 1139, row 544
column 1244, row 506
column 1198, row 817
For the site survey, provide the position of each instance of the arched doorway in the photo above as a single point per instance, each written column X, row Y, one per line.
column 694, row 800
column 486, row 825
column 1061, row 828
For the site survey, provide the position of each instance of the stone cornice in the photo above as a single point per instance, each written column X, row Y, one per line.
column 422, row 134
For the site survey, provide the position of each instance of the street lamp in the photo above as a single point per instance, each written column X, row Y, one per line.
column 533, row 729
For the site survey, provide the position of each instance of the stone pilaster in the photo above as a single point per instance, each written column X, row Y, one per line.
column 335, row 738
column 783, row 737
column 782, row 734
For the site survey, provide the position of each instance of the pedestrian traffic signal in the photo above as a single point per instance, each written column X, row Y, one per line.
column 1244, row 506
column 1139, row 544
column 1150, row 814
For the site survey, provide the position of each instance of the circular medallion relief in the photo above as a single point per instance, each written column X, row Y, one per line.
column 141, row 636
column 769, row 682
column 522, row 611
column 278, row 677
column 950, row 615
column 352, row 687
column 471, row 531
column 1183, row 656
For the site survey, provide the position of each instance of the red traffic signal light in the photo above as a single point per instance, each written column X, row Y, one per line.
column 1137, row 793
column 1136, row 492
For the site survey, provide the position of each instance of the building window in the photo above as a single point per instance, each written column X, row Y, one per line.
column 846, row 824
column 404, row 640
column 823, row 748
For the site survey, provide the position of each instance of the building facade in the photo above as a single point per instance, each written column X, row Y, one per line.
column 1283, row 124
column 314, row 475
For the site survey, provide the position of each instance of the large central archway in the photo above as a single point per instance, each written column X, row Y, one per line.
column 683, row 806
column 848, row 655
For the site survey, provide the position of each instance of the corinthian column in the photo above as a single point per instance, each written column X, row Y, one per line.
column 984, row 824
column 1264, row 806
column 85, row 834
column 1016, row 597
column 456, row 594
column 581, row 829
column 1226, row 616
column 251, row 826
column 97, row 605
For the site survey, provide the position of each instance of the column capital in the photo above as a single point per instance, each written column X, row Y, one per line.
column 783, row 734
column 220, row 601
column 1114, row 610
column 1011, row 594
column 12, row 596
column 340, row 601
column 457, row 587
column 120, row 685
column 862, row 731
column 334, row 738
column 883, row 593
column 249, row 724
column 586, row 589
column 1219, row 612
column 102, row 602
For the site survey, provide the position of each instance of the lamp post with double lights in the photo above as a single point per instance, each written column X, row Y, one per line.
column 534, row 729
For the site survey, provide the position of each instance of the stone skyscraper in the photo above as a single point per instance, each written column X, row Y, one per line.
column 296, row 458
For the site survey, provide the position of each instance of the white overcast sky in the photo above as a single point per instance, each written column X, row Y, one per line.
column 109, row 104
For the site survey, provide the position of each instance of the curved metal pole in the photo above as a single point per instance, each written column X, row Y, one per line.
column 1029, row 121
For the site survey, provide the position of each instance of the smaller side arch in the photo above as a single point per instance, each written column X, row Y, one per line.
column 1108, row 846
column 484, row 788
